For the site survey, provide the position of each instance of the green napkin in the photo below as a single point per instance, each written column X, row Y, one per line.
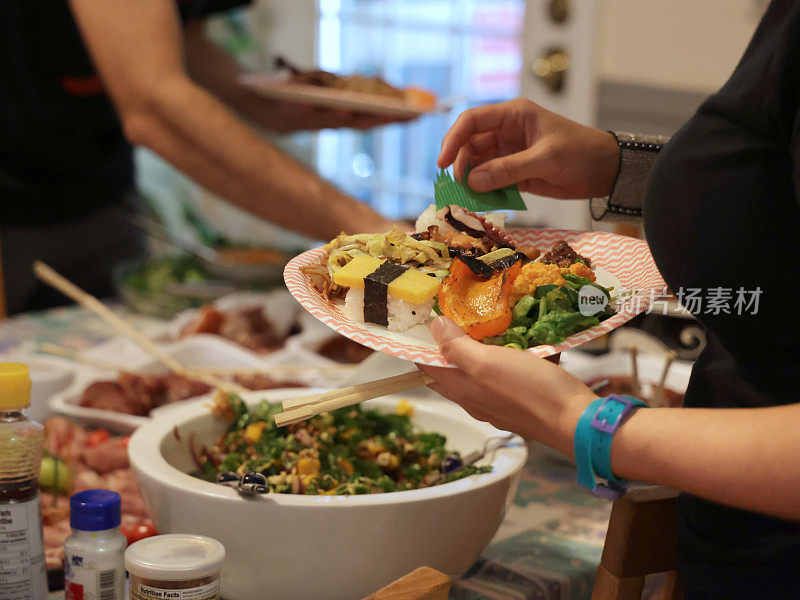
column 448, row 191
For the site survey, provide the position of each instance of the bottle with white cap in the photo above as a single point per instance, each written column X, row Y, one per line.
column 94, row 555
column 176, row 566
column 22, row 565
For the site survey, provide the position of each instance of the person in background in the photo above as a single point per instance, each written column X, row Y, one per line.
column 82, row 81
column 721, row 208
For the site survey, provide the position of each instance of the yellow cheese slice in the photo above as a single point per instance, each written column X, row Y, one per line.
column 353, row 273
column 412, row 286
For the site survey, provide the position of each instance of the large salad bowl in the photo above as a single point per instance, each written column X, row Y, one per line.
column 296, row 547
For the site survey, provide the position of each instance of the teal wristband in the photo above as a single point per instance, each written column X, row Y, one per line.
column 610, row 416
column 592, row 443
column 582, row 445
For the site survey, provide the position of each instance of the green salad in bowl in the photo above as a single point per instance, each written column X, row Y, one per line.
column 349, row 451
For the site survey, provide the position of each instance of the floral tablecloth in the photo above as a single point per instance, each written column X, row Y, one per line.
column 548, row 547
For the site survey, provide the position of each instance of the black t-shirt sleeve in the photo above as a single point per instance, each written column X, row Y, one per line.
column 192, row 9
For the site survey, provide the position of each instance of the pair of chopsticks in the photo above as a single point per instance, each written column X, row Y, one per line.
column 305, row 407
column 72, row 291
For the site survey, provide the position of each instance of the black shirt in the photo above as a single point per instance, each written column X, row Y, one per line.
column 62, row 152
column 723, row 211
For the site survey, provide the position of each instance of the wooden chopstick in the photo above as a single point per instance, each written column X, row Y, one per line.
column 72, row 291
column 411, row 377
column 314, row 404
column 76, row 356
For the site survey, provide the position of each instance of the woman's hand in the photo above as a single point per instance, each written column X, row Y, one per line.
column 521, row 142
column 512, row 390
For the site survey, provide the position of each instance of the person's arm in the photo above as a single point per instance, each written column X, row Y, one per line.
column 744, row 457
column 739, row 457
column 137, row 48
column 637, row 156
column 216, row 71
column 519, row 142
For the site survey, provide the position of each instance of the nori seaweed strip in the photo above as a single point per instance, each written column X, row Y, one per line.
column 480, row 268
column 503, row 263
column 376, row 292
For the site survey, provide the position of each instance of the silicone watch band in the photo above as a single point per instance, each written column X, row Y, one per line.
column 592, row 443
column 608, row 417
column 582, row 445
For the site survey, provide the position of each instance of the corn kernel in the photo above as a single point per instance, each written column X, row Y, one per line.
column 252, row 432
column 346, row 465
column 404, row 408
column 308, row 466
column 307, row 479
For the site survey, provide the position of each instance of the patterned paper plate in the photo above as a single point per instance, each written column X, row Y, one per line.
column 619, row 261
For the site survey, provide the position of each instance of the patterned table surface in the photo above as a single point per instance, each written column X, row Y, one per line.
column 548, row 547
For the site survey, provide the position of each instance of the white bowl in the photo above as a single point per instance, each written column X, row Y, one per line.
column 48, row 377
column 297, row 547
column 199, row 350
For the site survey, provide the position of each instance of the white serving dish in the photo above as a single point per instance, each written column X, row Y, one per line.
column 278, row 306
column 325, row 547
column 194, row 351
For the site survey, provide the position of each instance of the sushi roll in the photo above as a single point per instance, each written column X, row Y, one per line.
column 384, row 293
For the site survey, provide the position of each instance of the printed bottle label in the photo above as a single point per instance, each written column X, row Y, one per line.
column 83, row 580
column 210, row 591
column 23, row 573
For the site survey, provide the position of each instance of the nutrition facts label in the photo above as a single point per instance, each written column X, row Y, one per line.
column 22, row 566
column 209, row 591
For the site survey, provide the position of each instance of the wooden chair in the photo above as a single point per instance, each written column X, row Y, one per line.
column 642, row 539
column 421, row 584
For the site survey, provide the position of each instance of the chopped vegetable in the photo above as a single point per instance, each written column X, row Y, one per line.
column 96, row 437
column 481, row 307
column 345, row 452
column 55, row 475
column 135, row 529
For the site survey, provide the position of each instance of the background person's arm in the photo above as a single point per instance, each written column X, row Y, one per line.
column 137, row 48
column 215, row 70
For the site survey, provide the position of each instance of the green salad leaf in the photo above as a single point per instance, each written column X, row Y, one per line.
column 556, row 326
column 550, row 315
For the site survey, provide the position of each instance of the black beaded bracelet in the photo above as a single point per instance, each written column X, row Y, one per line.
column 633, row 173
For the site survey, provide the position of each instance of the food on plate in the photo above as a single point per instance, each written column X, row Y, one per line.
column 480, row 301
column 137, row 395
column 385, row 293
column 154, row 286
column 349, row 451
column 343, row 350
column 133, row 394
column 466, row 266
column 247, row 326
column 358, row 83
column 245, row 255
column 77, row 459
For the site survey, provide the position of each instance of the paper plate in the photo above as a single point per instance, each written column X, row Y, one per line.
column 278, row 88
column 619, row 261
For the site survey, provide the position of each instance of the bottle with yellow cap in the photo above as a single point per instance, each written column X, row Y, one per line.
column 23, row 573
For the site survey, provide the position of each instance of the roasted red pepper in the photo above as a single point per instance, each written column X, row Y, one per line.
column 479, row 306
column 96, row 437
